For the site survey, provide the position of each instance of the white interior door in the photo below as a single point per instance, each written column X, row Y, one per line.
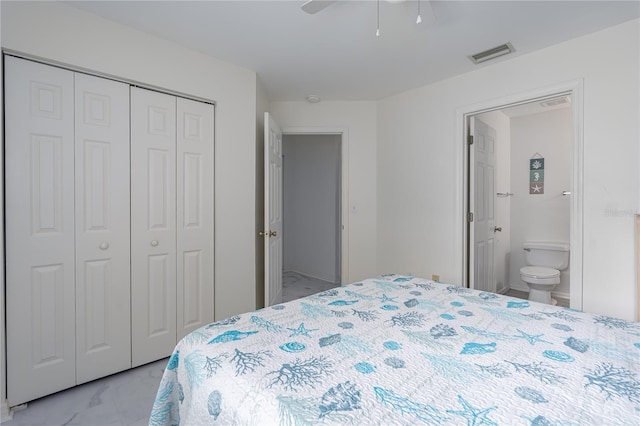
column 272, row 211
column 195, row 275
column 103, row 329
column 153, row 225
column 40, row 273
column 483, row 194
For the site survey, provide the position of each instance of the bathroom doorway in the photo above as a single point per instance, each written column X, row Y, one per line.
column 541, row 127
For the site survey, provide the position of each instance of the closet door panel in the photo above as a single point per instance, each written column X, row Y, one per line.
column 39, row 214
column 153, row 225
column 195, row 291
column 103, row 331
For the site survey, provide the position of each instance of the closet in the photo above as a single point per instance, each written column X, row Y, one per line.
column 109, row 225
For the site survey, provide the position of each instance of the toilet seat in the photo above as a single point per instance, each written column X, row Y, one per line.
column 539, row 272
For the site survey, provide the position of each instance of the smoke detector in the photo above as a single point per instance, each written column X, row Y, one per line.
column 489, row 54
column 313, row 99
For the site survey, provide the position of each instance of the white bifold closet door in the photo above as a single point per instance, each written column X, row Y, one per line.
column 67, row 238
column 195, row 288
column 172, row 221
column 153, row 225
column 103, row 328
column 39, row 214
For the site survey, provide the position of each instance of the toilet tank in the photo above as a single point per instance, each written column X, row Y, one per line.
column 550, row 255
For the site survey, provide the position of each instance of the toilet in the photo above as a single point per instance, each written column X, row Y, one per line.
column 544, row 262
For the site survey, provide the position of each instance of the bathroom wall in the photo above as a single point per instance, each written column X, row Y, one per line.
column 540, row 217
column 501, row 124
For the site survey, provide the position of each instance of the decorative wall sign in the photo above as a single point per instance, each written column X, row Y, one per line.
column 536, row 163
column 536, row 174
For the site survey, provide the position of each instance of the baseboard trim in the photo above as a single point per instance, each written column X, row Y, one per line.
column 519, row 287
column 560, row 295
column 5, row 412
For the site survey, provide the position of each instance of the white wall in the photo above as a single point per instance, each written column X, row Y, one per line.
column 61, row 33
column 311, row 215
column 359, row 120
column 540, row 217
column 501, row 124
column 417, row 166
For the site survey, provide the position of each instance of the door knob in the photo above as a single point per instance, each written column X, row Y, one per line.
column 497, row 229
column 154, row 243
column 263, row 233
column 104, row 245
column 273, row 233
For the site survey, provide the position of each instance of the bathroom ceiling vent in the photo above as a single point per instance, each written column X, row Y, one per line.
column 555, row 102
column 496, row 52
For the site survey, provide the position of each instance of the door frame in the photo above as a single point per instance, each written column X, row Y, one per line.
column 575, row 88
column 344, row 181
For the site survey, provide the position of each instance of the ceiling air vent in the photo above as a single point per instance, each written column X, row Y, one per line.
column 555, row 102
column 487, row 55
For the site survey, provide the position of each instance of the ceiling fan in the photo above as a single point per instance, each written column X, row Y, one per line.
column 424, row 6
column 315, row 6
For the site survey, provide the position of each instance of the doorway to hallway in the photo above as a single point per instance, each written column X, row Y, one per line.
column 312, row 207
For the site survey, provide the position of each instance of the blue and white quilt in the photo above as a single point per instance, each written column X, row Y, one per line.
column 402, row 350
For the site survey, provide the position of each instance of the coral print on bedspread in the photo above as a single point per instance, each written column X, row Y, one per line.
column 398, row 350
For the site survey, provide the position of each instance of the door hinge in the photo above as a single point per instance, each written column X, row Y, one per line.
column 470, row 139
column 470, row 217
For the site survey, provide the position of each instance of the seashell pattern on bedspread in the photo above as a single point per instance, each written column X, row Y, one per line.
column 401, row 350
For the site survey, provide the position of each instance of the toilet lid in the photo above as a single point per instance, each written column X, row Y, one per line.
column 539, row 272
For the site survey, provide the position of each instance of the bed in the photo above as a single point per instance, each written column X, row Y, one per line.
column 403, row 350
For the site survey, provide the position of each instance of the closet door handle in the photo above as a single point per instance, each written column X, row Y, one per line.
column 104, row 245
column 154, row 243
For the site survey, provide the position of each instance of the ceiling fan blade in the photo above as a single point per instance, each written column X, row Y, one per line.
column 315, row 6
column 426, row 11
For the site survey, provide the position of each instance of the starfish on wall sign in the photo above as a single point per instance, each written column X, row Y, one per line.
column 536, row 188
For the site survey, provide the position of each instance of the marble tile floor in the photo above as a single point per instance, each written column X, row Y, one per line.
column 123, row 399
column 296, row 285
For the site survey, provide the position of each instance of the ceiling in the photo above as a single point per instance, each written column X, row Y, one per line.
column 335, row 53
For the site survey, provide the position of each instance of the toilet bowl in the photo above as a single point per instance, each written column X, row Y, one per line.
column 542, row 274
column 541, row 281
